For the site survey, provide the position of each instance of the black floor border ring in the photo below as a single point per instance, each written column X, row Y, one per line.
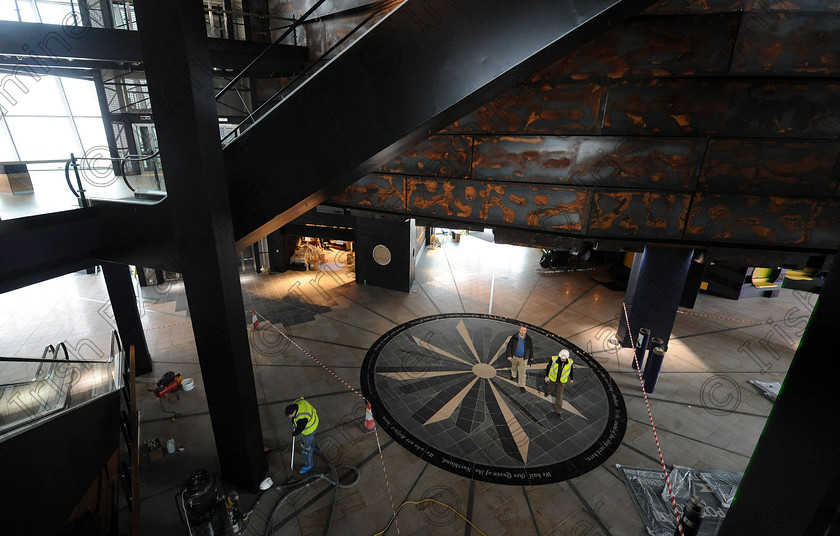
column 590, row 456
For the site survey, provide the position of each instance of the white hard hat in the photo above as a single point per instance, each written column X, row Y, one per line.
column 564, row 354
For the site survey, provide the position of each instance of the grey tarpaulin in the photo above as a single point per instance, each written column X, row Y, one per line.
column 770, row 389
column 650, row 494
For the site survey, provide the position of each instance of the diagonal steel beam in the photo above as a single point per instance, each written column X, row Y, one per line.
column 427, row 64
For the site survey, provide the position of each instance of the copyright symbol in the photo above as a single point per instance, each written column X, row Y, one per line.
column 97, row 167
column 720, row 395
column 269, row 340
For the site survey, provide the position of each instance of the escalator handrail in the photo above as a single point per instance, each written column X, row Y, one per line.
column 115, row 337
column 37, row 360
column 379, row 6
column 67, row 178
column 49, row 348
column 134, row 158
column 292, row 27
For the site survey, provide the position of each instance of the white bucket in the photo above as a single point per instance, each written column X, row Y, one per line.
column 187, row 384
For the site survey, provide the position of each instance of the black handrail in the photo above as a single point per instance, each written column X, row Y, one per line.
column 377, row 8
column 118, row 163
column 137, row 158
column 115, row 337
column 36, row 360
column 285, row 34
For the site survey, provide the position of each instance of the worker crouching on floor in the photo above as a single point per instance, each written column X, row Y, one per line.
column 558, row 372
column 305, row 419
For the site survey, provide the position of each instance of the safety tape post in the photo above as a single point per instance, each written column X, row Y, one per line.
column 652, row 424
column 347, row 385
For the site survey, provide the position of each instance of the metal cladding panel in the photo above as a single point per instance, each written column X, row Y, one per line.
column 549, row 208
column 826, row 230
column 385, row 192
column 678, row 7
column 788, row 44
column 572, row 108
column 438, row 156
column 638, row 214
column 770, row 167
column 767, row 109
column 751, row 219
column 670, row 7
column 661, row 163
column 695, row 45
column 670, row 107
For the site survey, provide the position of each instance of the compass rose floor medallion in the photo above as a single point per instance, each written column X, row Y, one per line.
column 440, row 386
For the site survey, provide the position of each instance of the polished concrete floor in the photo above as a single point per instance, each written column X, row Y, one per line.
column 707, row 414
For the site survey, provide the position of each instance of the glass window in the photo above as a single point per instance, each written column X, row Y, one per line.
column 57, row 13
column 27, row 95
column 8, row 11
column 44, row 138
column 81, row 94
column 28, row 13
column 92, row 132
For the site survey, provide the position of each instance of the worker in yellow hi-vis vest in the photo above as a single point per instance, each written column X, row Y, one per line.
column 305, row 419
column 558, row 373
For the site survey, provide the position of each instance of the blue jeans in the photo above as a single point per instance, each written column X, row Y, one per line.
column 309, row 447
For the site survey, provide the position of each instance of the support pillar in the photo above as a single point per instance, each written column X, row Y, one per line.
column 792, row 484
column 653, row 293
column 179, row 75
column 385, row 252
column 126, row 314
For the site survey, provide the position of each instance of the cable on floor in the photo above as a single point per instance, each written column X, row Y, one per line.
column 394, row 517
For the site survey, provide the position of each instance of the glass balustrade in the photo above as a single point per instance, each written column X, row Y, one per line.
column 32, row 390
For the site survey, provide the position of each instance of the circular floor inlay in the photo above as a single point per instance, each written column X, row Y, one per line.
column 441, row 386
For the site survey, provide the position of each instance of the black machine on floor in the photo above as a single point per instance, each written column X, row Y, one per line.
column 208, row 510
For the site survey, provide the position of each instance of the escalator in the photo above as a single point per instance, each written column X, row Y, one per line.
column 35, row 390
column 424, row 66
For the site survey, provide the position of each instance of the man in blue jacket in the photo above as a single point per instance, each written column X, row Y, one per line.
column 520, row 352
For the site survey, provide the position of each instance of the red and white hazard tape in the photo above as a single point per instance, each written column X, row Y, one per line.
column 653, row 427
column 347, row 385
column 725, row 318
column 169, row 326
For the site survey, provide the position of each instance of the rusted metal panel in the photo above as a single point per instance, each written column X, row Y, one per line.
column 571, row 108
column 692, row 45
column 792, row 5
column 788, row 44
column 750, row 219
column 826, row 230
column 671, row 7
column 661, row 163
column 638, row 214
column 671, row 107
column 385, row 192
column 549, row 208
column 770, row 167
column 769, row 109
column 438, row 156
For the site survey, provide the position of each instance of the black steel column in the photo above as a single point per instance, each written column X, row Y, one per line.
column 653, row 292
column 179, row 76
column 126, row 314
column 791, row 483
